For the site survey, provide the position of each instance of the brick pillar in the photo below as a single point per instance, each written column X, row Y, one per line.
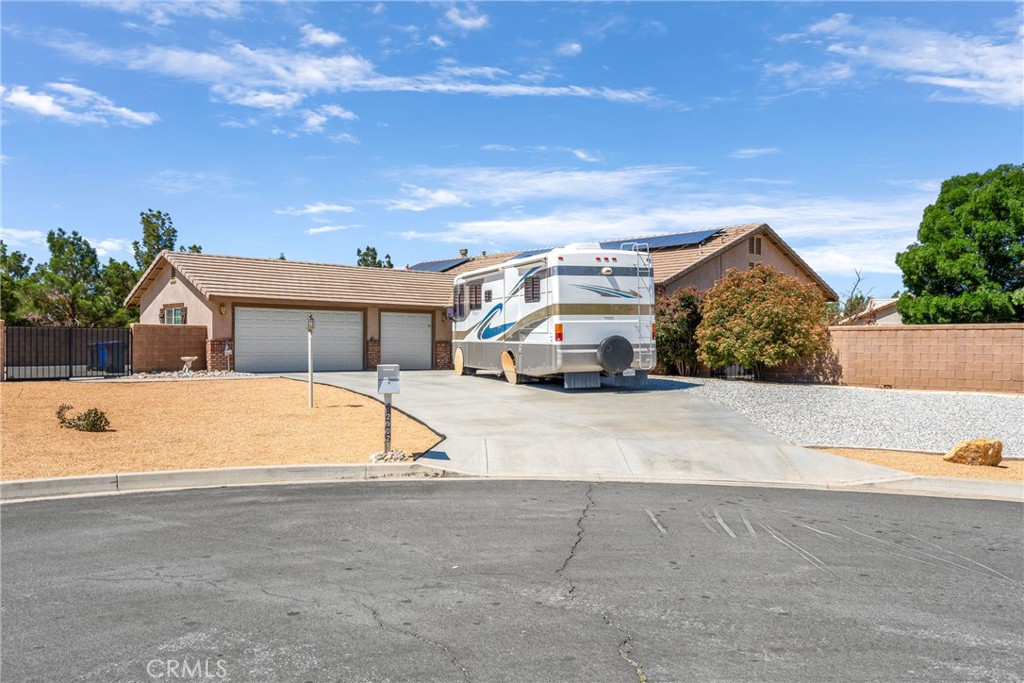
column 443, row 355
column 217, row 356
column 373, row 353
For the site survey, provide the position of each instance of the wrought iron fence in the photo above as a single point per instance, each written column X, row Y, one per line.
column 66, row 352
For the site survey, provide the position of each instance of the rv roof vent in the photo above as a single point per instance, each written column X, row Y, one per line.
column 583, row 245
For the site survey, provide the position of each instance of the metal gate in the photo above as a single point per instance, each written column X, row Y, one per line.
column 66, row 352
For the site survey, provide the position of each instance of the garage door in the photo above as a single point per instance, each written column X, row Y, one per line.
column 275, row 340
column 405, row 339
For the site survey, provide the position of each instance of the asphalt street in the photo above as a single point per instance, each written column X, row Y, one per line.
column 511, row 581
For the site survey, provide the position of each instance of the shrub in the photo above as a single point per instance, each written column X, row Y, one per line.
column 677, row 316
column 761, row 318
column 91, row 420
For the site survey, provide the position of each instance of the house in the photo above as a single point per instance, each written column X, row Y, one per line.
column 256, row 310
column 688, row 259
column 877, row 312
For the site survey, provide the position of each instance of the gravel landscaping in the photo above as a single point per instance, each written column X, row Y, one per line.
column 819, row 415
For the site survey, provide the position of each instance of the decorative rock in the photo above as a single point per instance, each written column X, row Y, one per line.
column 976, row 452
column 389, row 456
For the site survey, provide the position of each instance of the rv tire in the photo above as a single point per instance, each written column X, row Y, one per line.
column 459, row 363
column 508, row 367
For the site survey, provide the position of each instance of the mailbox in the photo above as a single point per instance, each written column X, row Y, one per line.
column 387, row 379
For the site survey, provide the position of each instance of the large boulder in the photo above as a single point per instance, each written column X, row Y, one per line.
column 976, row 452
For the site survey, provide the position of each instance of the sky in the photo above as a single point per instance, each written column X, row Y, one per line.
column 314, row 129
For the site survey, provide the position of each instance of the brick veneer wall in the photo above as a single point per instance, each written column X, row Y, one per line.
column 160, row 347
column 939, row 357
column 443, row 355
column 372, row 354
column 217, row 356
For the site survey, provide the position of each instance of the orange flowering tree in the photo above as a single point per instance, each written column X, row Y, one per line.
column 761, row 318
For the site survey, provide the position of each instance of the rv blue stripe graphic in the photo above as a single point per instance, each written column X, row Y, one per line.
column 488, row 332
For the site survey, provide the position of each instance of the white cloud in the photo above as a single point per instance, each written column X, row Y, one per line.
column 109, row 245
column 569, row 49
column 584, row 155
column 983, row 69
column 501, row 186
column 326, row 228
column 437, row 41
column 751, row 152
column 4, row 158
column 311, row 35
column 498, row 148
column 271, row 78
column 768, row 181
column 163, row 13
column 468, row 20
column 74, row 104
column 173, row 181
column 344, row 137
column 420, row 199
column 314, row 209
column 22, row 238
column 313, row 121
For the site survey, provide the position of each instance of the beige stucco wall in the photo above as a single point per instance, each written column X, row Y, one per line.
column 162, row 292
column 739, row 258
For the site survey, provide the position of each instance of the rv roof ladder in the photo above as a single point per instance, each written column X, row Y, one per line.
column 645, row 285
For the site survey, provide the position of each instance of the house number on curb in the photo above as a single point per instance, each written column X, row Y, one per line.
column 387, row 384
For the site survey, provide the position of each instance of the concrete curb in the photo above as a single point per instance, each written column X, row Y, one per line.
column 129, row 482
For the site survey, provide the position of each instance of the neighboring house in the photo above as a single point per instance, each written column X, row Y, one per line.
column 877, row 312
column 688, row 259
column 258, row 309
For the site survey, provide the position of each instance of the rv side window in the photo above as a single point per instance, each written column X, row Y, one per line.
column 459, row 302
column 475, row 301
column 531, row 289
column 487, row 296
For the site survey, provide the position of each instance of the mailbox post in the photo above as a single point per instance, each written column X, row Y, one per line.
column 387, row 384
column 310, row 324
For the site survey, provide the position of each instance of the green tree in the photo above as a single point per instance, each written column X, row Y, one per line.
column 760, row 318
column 368, row 257
column 158, row 234
column 116, row 281
column 677, row 316
column 15, row 267
column 967, row 265
column 63, row 291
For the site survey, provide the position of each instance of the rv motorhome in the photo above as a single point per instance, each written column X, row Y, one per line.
column 578, row 311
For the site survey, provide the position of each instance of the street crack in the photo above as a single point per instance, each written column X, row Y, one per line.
column 576, row 544
column 384, row 626
column 626, row 649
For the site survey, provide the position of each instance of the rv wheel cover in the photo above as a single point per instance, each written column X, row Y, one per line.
column 615, row 354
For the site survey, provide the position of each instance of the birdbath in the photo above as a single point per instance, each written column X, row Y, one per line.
column 188, row 360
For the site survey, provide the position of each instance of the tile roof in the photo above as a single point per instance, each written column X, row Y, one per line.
column 274, row 279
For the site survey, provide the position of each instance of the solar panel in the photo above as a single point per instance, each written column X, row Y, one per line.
column 439, row 266
column 679, row 239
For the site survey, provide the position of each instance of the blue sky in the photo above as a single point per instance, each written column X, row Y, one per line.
column 316, row 128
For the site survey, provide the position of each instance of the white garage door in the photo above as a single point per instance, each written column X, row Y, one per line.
column 405, row 338
column 275, row 340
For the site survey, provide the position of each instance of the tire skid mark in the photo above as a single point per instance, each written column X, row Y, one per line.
column 812, row 559
column 746, row 523
column 654, row 519
column 817, row 531
column 934, row 557
column 962, row 557
column 721, row 523
column 706, row 523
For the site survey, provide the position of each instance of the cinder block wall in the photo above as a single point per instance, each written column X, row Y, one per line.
column 937, row 357
column 160, row 347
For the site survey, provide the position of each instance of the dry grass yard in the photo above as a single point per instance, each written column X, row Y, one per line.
column 192, row 425
column 931, row 465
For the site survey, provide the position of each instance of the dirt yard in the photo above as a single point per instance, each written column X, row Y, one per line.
column 931, row 465
column 192, row 425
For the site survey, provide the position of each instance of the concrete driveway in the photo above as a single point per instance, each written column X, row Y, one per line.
column 661, row 432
